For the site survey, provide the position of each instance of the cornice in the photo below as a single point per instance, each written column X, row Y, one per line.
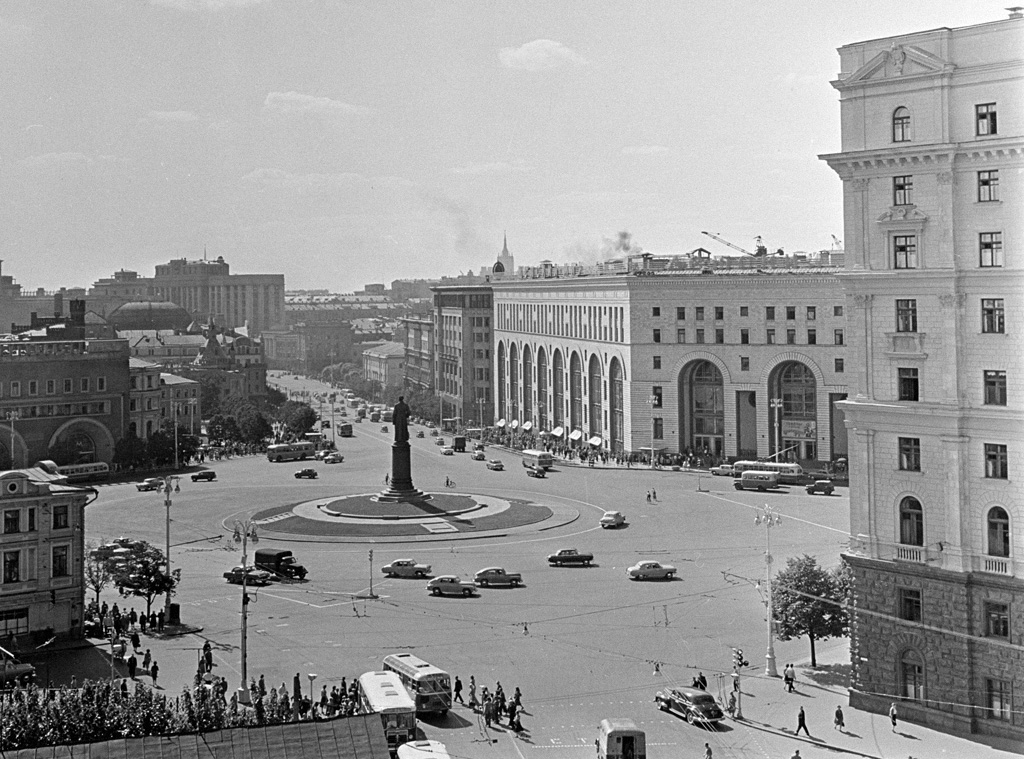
column 935, row 156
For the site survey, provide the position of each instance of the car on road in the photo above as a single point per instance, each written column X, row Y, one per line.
column 333, row 458
column 451, row 585
column 252, row 575
column 150, row 483
column 497, row 576
column 307, row 473
column 495, row 465
column 565, row 556
column 612, row 519
column 447, row 451
column 13, row 670
column 479, row 456
column 723, row 470
column 384, row 428
column 343, row 412
column 319, row 455
column 535, row 471
column 439, row 441
column 651, row 570
column 419, row 433
column 821, row 486
column 694, row 704
column 405, row 568
column 207, row 475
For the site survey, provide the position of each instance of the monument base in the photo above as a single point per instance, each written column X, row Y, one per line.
column 400, row 489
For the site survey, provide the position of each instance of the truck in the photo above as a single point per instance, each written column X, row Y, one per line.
column 280, row 563
column 570, row 556
column 621, row 739
column 459, row 443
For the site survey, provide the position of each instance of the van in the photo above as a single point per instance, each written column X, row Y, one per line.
column 753, row 479
column 621, row 739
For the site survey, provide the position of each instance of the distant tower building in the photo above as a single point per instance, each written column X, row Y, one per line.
column 505, row 266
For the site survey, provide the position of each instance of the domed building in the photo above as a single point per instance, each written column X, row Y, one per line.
column 153, row 315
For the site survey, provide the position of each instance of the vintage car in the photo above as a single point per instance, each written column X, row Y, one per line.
column 495, row 465
column 252, row 575
column 451, row 585
column 307, row 473
column 419, row 433
column 207, row 475
column 694, row 704
column 447, row 451
column 150, row 483
column 651, row 570
column 440, row 441
column 723, row 470
column 497, row 576
column 405, row 568
column 570, row 556
column 478, row 456
column 333, row 458
column 820, row 486
column 612, row 519
column 536, row 471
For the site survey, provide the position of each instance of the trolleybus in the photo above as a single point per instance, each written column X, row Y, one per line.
column 789, row 474
column 382, row 693
column 429, row 686
column 291, row 451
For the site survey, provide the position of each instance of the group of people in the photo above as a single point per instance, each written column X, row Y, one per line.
column 124, row 628
column 492, row 706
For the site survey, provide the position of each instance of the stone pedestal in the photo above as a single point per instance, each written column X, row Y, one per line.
column 401, row 489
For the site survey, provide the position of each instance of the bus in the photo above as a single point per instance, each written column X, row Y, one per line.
column 789, row 474
column 382, row 693
column 344, row 429
column 535, row 458
column 290, row 451
column 423, row 750
column 85, row 472
column 429, row 686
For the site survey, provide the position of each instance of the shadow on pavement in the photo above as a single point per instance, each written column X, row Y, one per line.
column 830, row 675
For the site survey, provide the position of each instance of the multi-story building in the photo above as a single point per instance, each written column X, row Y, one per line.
column 463, row 340
column 383, row 364
column 143, row 398
column 419, row 351
column 42, row 585
column 308, row 348
column 18, row 306
column 931, row 163
column 181, row 400
column 728, row 358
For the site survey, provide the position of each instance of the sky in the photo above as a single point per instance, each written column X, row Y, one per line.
column 347, row 142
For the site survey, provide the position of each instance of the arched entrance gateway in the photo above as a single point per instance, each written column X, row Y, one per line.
column 513, row 382
column 575, row 392
column 702, row 411
column 594, row 391
column 527, row 384
column 794, row 423
column 615, row 406
column 542, row 388
column 502, row 399
column 558, row 382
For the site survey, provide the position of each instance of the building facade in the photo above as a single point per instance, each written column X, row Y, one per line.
column 463, row 361
column 143, row 398
column 678, row 361
column 383, row 364
column 181, row 400
column 42, row 583
column 419, row 352
column 931, row 164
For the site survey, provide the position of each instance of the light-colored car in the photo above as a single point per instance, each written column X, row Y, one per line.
column 451, row 585
column 405, row 568
column 723, row 470
column 820, row 486
column 651, row 570
column 479, row 456
column 497, row 576
column 612, row 519
column 495, row 465
column 448, row 451
column 333, row 458
column 150, row 483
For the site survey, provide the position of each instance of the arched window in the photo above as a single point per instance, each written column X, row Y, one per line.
column 998, row 532
column 901, row 125
column 911, row 522
column 912, row 675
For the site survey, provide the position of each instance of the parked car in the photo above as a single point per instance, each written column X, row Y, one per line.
column 723, row 470
column 651, row 570
column 207, row 475
column 253, row 576
column 612, row 519
column 405, row 568
column 495, row 465
column 479, row 456
column 821, row 486
column 307, row 473
column 419, row 433
column 333, row 458
column 14, row 670
column 497, row 576
column 694, row 704
column 570, row 556
column 451, row 585
column 447, row 451
column 150, row 483
column 280, row 563
column 535, row 471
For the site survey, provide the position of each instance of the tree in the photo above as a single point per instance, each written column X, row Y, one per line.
column 137, row 569
column 98, row 574
column 63, row 452
column 298, row 417
column 809, row 600
column 130, row 451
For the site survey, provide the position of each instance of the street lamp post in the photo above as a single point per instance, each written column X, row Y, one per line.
column 653, row 400
column 769, row 518
column 12, row 416
column 776, row 404
column 168, row 484
column 244, row 532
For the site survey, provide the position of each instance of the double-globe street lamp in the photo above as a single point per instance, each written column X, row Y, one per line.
column 12, row 416
column 769, row 518
column 244, row 532
column 169, row 483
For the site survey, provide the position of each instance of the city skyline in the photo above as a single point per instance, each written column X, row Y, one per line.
column 366, row 144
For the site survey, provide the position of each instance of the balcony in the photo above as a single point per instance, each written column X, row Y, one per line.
column 994, row 565
column 911, row 554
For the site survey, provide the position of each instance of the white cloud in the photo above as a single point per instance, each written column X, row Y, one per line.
column 495, row 167
column 177, row 117
column 206, row 5
column 539, row 55
column 295, row 103
column 647, row 150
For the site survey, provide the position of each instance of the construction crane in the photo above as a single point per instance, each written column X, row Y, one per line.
column 761, row 250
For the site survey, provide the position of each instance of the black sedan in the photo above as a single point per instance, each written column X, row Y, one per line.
column 694, row 704
column 309, row 474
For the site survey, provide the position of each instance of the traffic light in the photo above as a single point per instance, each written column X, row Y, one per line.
column 738, row 660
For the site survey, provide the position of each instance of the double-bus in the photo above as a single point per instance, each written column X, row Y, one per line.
column 429, row 686
column 535, row 458
column 382, row 693
column 789, row 474
column 344, row 429
column 291, row 451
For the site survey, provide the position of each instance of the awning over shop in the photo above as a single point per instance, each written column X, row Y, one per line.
column 557, row 432
column 527, row 426
column 576, row 434
column 596, row 440
column 515, row 423
column 501, row 423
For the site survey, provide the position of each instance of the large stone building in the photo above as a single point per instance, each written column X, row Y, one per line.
column 143, row 398
column 687, row 359
column 419, row 351
column 931, row 163
column 383, row 364
column 18, row 306
column 463, row 340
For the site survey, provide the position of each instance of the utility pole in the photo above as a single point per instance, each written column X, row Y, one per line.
column 244, row 532
column 769, row 518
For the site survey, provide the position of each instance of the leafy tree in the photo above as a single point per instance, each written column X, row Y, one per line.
column 298, row 417
column 98, row 574
column 808, row 600
column 137, row 569
column 160, row 447
column 254, row 425
column 130, row 451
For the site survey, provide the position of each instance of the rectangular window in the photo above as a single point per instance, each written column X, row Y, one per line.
column 840, row 365
column 59, row 565
column 902, row 188
column 990, row 249
column 769, row 336
column 69, row 386
column 790, row 337
column 790, row 312
column 13, row 622
column 699, row 313
column 812, row 313
column 744, row 311
column 744, row 363
column 15, row 389
column 680, row 335
column 910, row 604
column 84, row 385
column 910, row 454
column 909, row 384
column 719, row 313
column 60, row 517
column 700, row 336
column 812, row 337
column 904, row 249
column 658, row 428
column 719, row 336
column 837, row 310
column 997, row 620
column 32, row 519
column 12, row 566
column 837, row 337
column 901, row 125
column 656, row 311
column 681, row 313
column 985, row 119
column 744, row 336
column 995, row 388
column 657, row 394
column 988, row 186
column 769, row 313
column 996, row 461
column 657, row 335
column 33, row 387
column 1000, row 699
column 12, row 521
column 992, row 315
column 51, row 387
column 906, row 316
column 657, row 362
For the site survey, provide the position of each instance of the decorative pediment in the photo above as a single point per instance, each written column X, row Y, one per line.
column 903, row 214
column 897, row 61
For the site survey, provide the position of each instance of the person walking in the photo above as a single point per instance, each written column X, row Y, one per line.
column 146, row 661
column 208, row 656
column 457, row 691
column 708, row 753
column 702, row 682
column 654, row 494
column 154, row 670
column 136, row 642
column 790, row 678
column 801, row 723
column 473, row 703
column 488, row 710
column 892, row 715
column 160, row 620
column 143, row 619
column 648, row 496
column 839, row 725
column 133, row 665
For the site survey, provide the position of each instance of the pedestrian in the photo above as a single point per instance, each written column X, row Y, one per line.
column 801, row 723
column 458, row 691
column 153, row 672
column 796, row 755
column 702, row 681
column 143, row 619
column 136, row 642
column 707, row 751
column 648, row 496
column 473, row 703
column 146, row 661
column 487, row 709
column 152, row 621
column 124, row 689
column 133, row 665
column 160, row 619
column 654, row 494
column 892, row 715
column 208, row 656
column 297, row 686
column 838, row 722
column 387, row 479
column 133, row 617
column 262, row 686
column 790, row 679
